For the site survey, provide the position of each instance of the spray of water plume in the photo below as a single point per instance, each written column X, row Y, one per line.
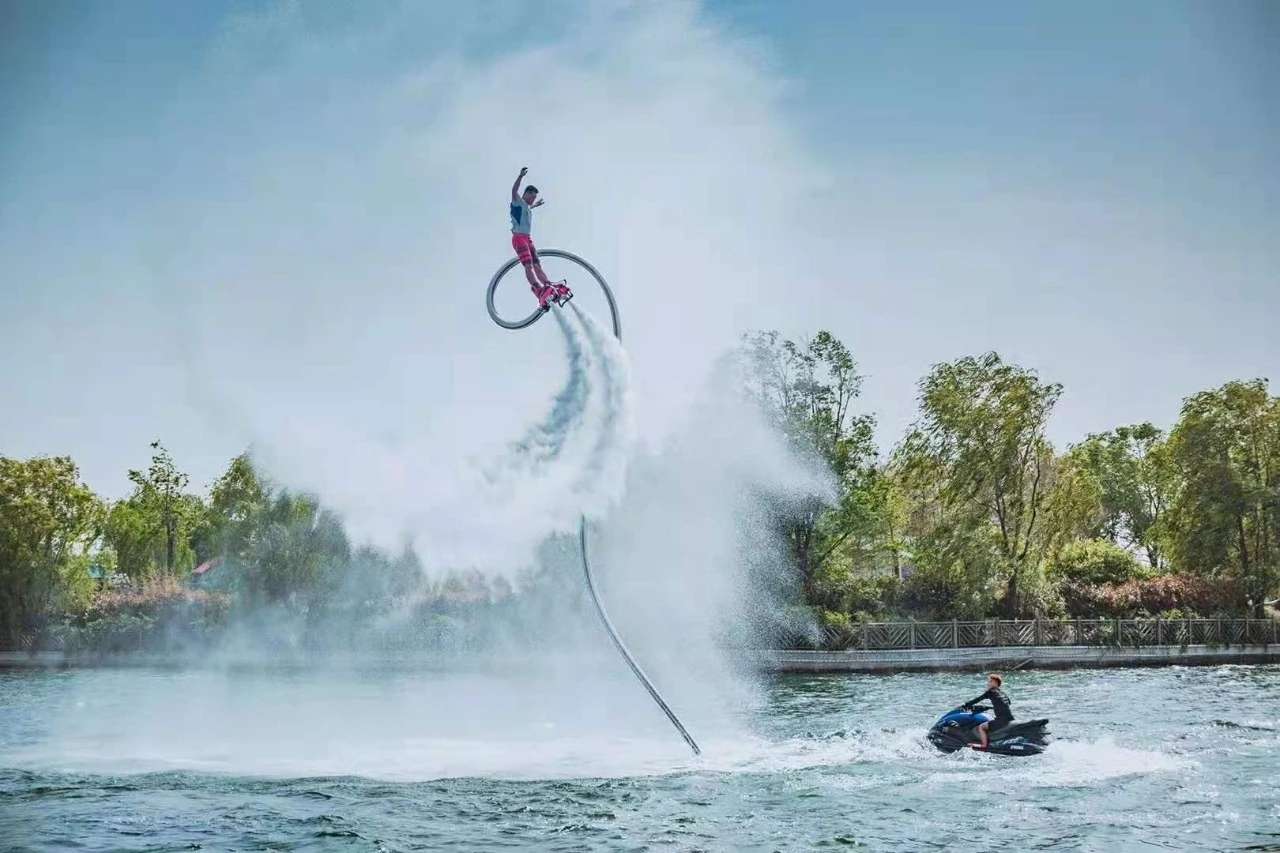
column 695, row 552
column 599, row 342
column 487, row 510
column 544, row 442
column 678, row 558
column 350, row 352
column 573, row 461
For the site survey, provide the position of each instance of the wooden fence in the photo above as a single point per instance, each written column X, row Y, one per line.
column 1056, row 632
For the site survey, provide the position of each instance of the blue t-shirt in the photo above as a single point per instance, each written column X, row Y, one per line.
column 521, row 217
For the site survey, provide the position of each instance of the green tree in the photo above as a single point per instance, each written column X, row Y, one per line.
column 48, row 521
column 890, row 507
column 285, row 548
column 237, row 501
column 978, row 456
column 1137, row 482
column 1072, row 509
column 1094, row 561
column 134, row 536
column 807, row 390
column 139, row 539
column 1225, row 520
column 297, row 553
column 151, row 530
column 159, row 494
column 864, row 567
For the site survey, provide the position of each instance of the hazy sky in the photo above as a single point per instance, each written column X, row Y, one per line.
column 225, row 223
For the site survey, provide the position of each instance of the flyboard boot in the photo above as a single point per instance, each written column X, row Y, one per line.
column 561, row 292
column 546, row 295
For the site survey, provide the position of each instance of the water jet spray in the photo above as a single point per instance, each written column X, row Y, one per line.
column 582, row 525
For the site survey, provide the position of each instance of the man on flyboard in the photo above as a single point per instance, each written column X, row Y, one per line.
column 522, row 205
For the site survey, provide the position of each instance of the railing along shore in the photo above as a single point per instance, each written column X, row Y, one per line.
column 994, row 633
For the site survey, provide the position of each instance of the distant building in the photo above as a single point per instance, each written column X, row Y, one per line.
column 203, row 574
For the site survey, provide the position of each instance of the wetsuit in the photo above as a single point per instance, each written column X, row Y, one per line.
column 999, row 704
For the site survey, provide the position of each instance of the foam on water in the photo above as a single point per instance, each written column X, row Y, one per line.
column 1083, row 762
column 813, row 760
column 1065, row 763
column 275, row 742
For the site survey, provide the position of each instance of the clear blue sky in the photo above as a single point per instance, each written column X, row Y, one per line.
column 1092, row 189
column 1175, row 101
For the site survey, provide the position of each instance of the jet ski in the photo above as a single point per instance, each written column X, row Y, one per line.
column 958, row 728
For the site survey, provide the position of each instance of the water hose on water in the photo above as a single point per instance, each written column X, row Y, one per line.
column 582, row 525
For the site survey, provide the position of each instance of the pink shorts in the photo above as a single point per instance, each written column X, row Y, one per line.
column 523, row 244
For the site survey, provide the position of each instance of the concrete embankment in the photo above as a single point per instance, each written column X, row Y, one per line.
column 858, row 660
column 1011, row 657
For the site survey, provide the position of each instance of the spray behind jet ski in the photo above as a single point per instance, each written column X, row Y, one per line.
column 958, row 729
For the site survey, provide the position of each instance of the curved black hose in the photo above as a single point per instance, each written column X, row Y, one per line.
column 582, row 526
column 626, row 654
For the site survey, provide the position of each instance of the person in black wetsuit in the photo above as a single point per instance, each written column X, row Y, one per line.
column 999, row 703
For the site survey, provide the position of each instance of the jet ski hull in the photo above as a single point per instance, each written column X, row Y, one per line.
column 958, row 729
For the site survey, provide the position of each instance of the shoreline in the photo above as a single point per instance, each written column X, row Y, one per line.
column 875, row 661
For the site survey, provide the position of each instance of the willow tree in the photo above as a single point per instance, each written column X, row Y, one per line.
column 978, row 454
column 237, row 502
column 1137, row 482
column 150, row 531
column 297, row 553
column 1226, row 517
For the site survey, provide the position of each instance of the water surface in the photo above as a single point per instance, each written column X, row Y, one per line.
column 158, row 760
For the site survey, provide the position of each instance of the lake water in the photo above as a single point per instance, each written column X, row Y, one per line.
column 1178, row 758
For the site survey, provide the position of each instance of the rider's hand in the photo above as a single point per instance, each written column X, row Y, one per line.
column 524, row 170
column 540, row 202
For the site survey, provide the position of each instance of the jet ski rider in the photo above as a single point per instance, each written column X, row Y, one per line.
column 999, row 703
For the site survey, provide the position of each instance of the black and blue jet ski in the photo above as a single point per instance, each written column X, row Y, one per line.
column 958, row 729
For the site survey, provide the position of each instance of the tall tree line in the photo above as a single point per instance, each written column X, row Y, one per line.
column 974, row 512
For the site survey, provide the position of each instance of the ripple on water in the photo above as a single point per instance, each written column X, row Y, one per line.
column 843, row 763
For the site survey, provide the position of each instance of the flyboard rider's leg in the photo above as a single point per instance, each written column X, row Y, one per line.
column 560, row 292
column 542, row 289
column 538, row 281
